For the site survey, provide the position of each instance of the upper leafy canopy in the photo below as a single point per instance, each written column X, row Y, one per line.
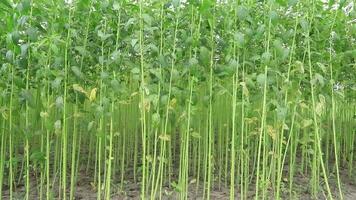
column 234, row 35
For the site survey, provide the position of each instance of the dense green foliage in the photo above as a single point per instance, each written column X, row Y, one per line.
column 190, row 96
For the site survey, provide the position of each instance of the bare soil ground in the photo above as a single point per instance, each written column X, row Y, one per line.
column 86, row 191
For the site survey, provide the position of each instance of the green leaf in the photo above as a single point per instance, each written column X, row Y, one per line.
column 90, row 125
column 261, row 78
column 134, row 42
column 38, row 156
column 193, row 61
column 81, row 50
column 129, row 22
column 281, row 112
column 58, row 125
column 266, row 57
column 103, row 36
column 304, row 24
column 204, row 56
column 115, row 55
column 273, row 15
column 78, row 88
column 12, row 37
column 318, row 78
column 135, row 70
column 27, row 97
column 299, row 66
column 350, row 53
column 242, row 12
column 176, row 3
column 9, row 55
column 282, row 52
column 32, row 33
column 240, row 39
column 24, row 48
column 56, row 83
column 116, row 6
column 195, row 135
column 59, row 102
column 6, row 3
column 205, row 7
column 147, row 19
column 156, row 119
column 156, row 73
column 153, row 48
column 322, row 67
column 292, row 2
column 22, row 21
column 306, row 123
column 165, row 137
column 77, row 72
column 282, row 2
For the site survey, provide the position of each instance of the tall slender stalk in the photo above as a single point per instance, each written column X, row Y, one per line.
column 235, row 83
column 142, row 102
column 64, row 111
column 316, row 127
column 2, row 156
column 281, row 160
column 333, row 109
column 154, row 162
column 262, row 131
column 210, row 119
column 27, row 145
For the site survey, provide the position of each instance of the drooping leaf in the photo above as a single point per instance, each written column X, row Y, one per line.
column 79, row 88
column 92, row 95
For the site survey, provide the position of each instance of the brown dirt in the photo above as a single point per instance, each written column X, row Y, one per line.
column 86, row 191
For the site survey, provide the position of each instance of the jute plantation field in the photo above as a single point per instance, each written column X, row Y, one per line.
column 170, row 99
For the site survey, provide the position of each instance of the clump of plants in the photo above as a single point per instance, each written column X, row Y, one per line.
column 179, row 98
